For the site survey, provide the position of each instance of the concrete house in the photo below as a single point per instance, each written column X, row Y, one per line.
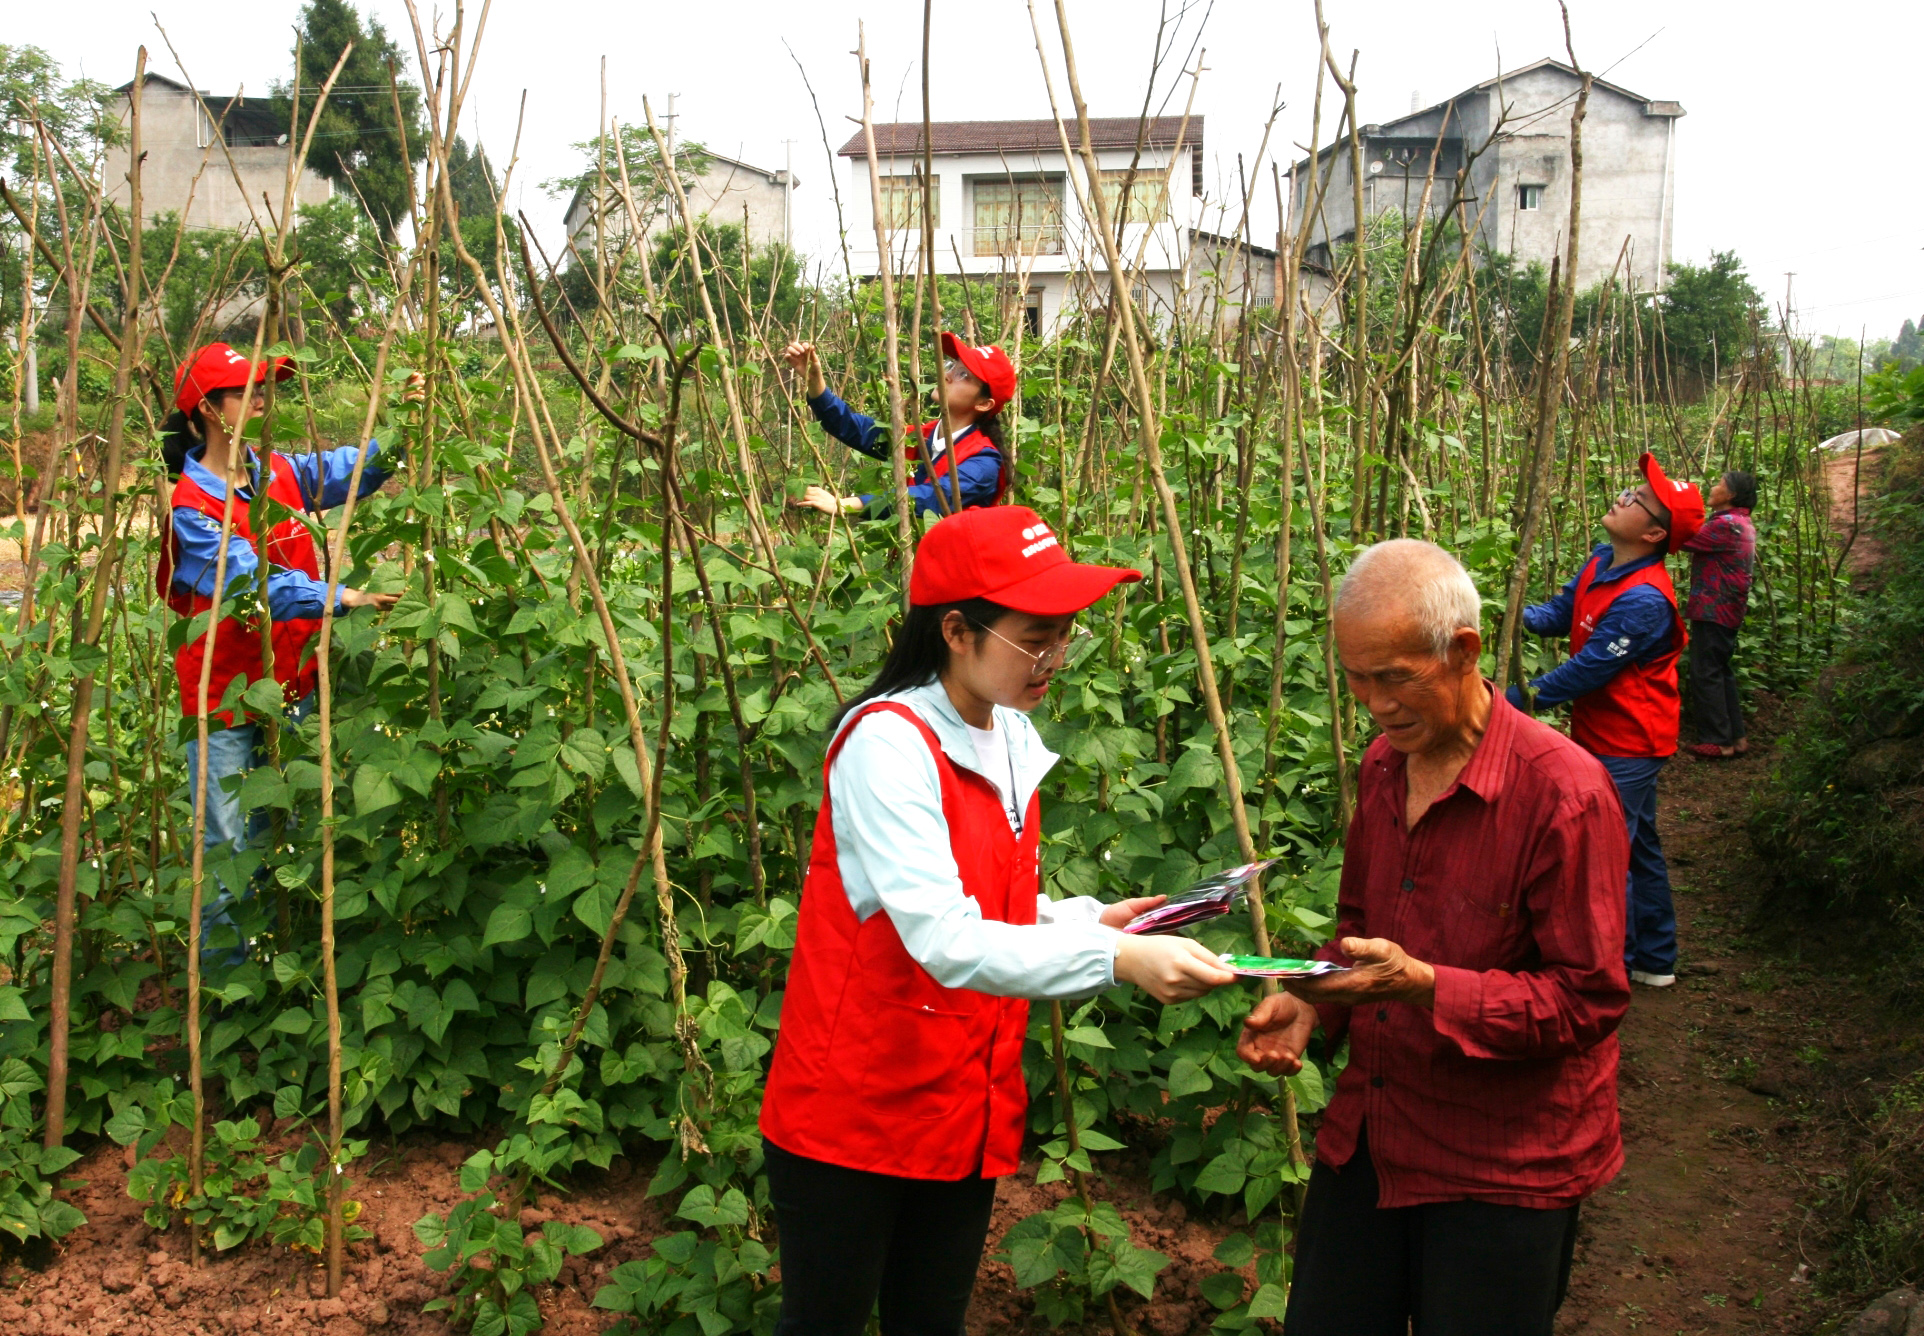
column 1005, row 212
column 1516, row 128
column 180, row 138
column 727, row 190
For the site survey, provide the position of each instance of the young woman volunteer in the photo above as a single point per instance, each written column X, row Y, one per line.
column 201, row 441
column 967, row 438
column 896, row 1096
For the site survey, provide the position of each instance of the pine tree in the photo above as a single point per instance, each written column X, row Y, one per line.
column 357, row 144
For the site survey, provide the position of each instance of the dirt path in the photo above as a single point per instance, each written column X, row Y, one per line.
column 1728, row 1092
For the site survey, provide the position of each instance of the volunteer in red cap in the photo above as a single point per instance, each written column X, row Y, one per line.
column 216, row 393
column 1620, row 681
column 960, row 459
column 896, row 1096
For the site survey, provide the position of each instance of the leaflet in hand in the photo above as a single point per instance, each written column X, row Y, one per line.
column 1278, row 967
column 1212, row 897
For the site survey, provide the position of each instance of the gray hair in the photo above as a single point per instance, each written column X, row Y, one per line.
column 1418, row 578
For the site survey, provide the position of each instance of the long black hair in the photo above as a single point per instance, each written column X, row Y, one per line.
column 179, row 437
column 1743, row 489
column 990, row 425
column 920, row 652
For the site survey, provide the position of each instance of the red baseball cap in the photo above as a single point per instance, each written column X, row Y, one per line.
column 219, row 367
column 988, row 364
column 1684, row 502
column 1008, row 555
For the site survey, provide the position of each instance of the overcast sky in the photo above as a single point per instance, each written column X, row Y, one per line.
column 1797, row 150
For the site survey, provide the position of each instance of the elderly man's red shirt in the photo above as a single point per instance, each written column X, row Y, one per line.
column 1512, row 886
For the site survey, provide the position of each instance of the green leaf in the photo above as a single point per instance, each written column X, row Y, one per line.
column 570, row 870
column 1187, row 1077
column 13, row 1006
column 586, row 753
column 475, row 1171
column 1236, row 1250
column 1088, row 1036
column 624, row 759
column 374, row 790
column 1270, row 1301
column 1196, row 768
column 1224, row 1174
column 1224, row 1289
column 293, row 1021
column 508, row 923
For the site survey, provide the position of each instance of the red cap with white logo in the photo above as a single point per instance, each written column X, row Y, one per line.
column 219, row 367
column 1682, row 499
column 1010, row 556
column 988, row 364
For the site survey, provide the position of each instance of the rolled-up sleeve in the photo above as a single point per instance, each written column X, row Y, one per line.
column 1577, row 994
column 892, row 845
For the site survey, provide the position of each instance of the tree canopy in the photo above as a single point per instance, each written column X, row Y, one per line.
column 358, row 143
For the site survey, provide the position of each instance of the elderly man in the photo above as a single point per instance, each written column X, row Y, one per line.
column 1482, row 907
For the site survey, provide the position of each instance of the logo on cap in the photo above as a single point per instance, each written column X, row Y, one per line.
column 1041, row 537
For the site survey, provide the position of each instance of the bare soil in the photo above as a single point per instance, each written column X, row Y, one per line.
column 1737, row 1093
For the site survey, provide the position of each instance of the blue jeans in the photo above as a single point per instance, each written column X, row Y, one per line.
column 231, row 752
column 1650, row 927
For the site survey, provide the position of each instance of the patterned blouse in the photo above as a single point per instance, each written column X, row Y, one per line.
column 1720, row 561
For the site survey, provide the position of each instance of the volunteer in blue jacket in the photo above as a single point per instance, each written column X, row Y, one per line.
column 1620, row 612
column 976, row 383
column 896, row 1096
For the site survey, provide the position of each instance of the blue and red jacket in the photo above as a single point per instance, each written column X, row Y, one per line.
column 1625, row 639
column 981, row 473
column 295, row 593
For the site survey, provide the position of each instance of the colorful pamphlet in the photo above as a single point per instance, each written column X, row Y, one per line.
column 1279, row 967
column 1212, row 897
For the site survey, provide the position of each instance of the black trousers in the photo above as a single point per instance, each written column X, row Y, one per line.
column 849, row 1237
column 1713, row 686
column 1460, row 1268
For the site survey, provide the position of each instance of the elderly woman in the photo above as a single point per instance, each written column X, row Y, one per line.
column 1721, row 556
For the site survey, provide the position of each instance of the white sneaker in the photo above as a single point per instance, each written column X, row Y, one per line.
column 1652, row 980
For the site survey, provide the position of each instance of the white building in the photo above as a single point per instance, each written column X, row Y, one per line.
column 1517, row 197
column 181, row 140
column 1005, row 212
column 724, row 191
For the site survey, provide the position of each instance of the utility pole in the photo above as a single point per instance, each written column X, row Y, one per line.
column 671, row 129
column 788, row 187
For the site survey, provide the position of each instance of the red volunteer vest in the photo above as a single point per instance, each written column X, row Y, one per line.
column 237, row 649
column 971, row 445
column 877, row 1066
column 1637, row 713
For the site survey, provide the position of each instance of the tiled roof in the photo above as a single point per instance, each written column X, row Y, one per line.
column 904, row 139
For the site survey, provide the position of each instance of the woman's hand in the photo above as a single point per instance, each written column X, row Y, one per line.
column 1121, row 912
column 1169, row 969
column 820, row 498
column 361, row 598
column 417, row 389
column 802, row 357
column 1276, row 1034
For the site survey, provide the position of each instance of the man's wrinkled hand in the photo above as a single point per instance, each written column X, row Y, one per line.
column 1276, row 1033
column 1381, row 971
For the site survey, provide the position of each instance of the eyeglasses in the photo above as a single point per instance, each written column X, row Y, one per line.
column 956, row 371
column 1050, row 657
column 1629, row 497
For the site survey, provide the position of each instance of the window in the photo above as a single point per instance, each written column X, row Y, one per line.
column 1032, row 312
column 902, row 201
column 1529, row 198
column 1148, row 195
column 1019, row 217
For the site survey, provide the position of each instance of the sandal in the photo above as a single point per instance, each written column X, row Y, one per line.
column 1710, row 751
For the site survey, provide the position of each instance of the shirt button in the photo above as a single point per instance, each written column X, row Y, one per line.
column 1382, row 1013
column 1408, row 885
column 1377, row 1081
